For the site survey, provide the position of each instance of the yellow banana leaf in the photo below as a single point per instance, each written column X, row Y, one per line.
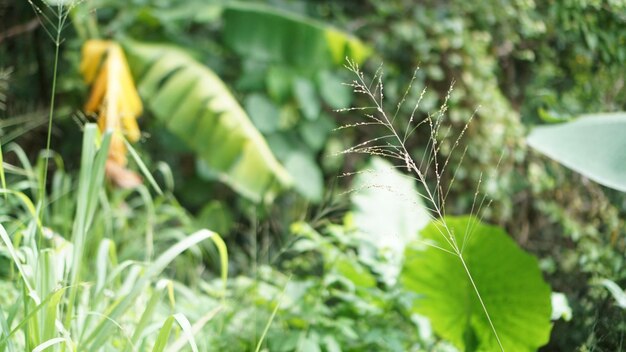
column 113, row 95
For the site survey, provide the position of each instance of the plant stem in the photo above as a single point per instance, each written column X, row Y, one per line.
column 42, row 185
column 493, row 328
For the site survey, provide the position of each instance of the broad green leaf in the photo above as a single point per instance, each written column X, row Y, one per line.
column 308, row 100
column 508, row 279
column 269, row 34
column 263, row 113
column 198, row 108
column 315, row 133
column 278, row 81
column 593, row 145
column 336, row 94
column 308, row 179
column 388, row 210
column 353, row 271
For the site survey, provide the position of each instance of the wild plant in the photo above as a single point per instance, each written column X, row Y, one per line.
column 430, row 170
column 72, row 292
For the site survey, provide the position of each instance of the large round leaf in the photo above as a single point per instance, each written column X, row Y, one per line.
column 508, row 279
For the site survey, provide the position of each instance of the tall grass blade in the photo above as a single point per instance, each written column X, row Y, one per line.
column 164, row 335
column 4, row 325
column 147, row 314
column 180, row 343
column 144, row 169
column 101, row 331
column 49, row 343
column 3, row 181
column 271, row 319
column 90, row 179
column 187, row 330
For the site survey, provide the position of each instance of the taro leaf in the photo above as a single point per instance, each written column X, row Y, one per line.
column 388, row 210
column 304, row 91
column 593, row 145
column 263, row 112
column 269, row 34
column 315, row 133
column 508, row 279
column 307, row 176
column 196, row 106
column 333, row 90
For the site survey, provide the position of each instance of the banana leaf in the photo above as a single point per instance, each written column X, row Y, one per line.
column 269, row 34
column 196, row 106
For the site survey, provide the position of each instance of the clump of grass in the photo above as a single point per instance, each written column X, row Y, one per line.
column 429, row 172
column 67, row 299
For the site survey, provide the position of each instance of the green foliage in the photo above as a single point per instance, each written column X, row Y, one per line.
column 52, row 271
column 387, row 209
column 271, row 35
column 593, row 145
column 508, row 279
column 520, row 61
column 197, row 107
column 332, row 301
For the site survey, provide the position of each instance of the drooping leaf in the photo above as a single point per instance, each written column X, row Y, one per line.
column 113, row 95
column 196, row 106
column 508, row 279
column 616, row 292
column 269, row 34
column 593, row 145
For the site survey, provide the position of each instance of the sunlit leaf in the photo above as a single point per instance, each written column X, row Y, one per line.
column 388, row 211
column 196, row 106
column 508, row 279
column 593, row 145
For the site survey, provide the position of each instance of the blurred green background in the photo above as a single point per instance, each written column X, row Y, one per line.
column 513, row 65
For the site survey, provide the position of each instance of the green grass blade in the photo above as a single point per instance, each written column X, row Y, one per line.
column 28, row 205
column 32, row 313
column 150, row 220
column 149, row 311
column 180, row 343
column 4, row 325
column 106, row 254
column 187, row 330
column 144, row 169
column 3, row 181
column 7, row 242
column 49, row 343
column 96, row 338
column 50, row 317
column 271, row 319
column 164, row 335
column 91, row 176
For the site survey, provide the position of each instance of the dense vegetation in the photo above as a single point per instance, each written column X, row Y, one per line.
column 312, row 176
